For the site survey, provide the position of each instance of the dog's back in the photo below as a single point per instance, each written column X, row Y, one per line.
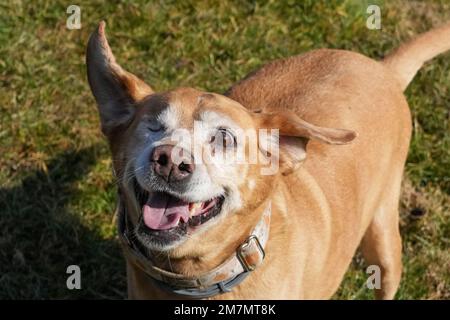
column 351, row 192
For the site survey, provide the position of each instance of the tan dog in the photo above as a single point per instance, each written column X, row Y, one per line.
column 202, row 228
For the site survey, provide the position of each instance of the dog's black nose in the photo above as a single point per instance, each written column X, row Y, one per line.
column 172, row 163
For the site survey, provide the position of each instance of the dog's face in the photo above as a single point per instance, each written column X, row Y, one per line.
column 174, row 165
column 192, row 165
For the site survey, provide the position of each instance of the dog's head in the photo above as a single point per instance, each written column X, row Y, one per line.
column 192, row 165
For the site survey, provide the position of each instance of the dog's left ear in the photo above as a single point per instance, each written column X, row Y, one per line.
column 115, row 90
column 294, row 134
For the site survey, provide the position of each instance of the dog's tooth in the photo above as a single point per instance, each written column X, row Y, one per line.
column 193, row 207
column 198, row 205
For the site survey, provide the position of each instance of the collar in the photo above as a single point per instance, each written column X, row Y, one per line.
column 247, row 257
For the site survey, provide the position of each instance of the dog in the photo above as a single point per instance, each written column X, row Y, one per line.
column 194, row 226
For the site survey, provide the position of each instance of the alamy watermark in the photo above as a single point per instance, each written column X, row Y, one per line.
column 74, row 280
column 74, row 20
column 373, row 22
column 227, row 147
column 374, row 280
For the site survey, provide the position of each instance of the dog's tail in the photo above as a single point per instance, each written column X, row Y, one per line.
column 406, row 60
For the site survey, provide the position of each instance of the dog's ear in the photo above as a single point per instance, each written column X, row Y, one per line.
column 115, row 90
column 294, row 134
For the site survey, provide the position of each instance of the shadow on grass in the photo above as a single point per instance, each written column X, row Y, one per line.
column 40, row 237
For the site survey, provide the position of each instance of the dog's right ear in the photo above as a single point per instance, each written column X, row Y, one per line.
column 115, row 90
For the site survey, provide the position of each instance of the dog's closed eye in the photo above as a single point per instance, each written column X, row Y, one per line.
column 154, row 126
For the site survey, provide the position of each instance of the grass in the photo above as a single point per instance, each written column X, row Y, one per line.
column 57, row 193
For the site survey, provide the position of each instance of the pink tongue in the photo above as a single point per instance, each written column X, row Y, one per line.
column 163, row 211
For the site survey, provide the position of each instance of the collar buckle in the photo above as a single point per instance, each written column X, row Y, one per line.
column 246, row 253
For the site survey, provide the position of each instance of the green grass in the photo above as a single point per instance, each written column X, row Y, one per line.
column 57, row 193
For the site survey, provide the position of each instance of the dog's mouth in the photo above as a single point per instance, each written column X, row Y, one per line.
column 166, row 218
column 163, row 211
